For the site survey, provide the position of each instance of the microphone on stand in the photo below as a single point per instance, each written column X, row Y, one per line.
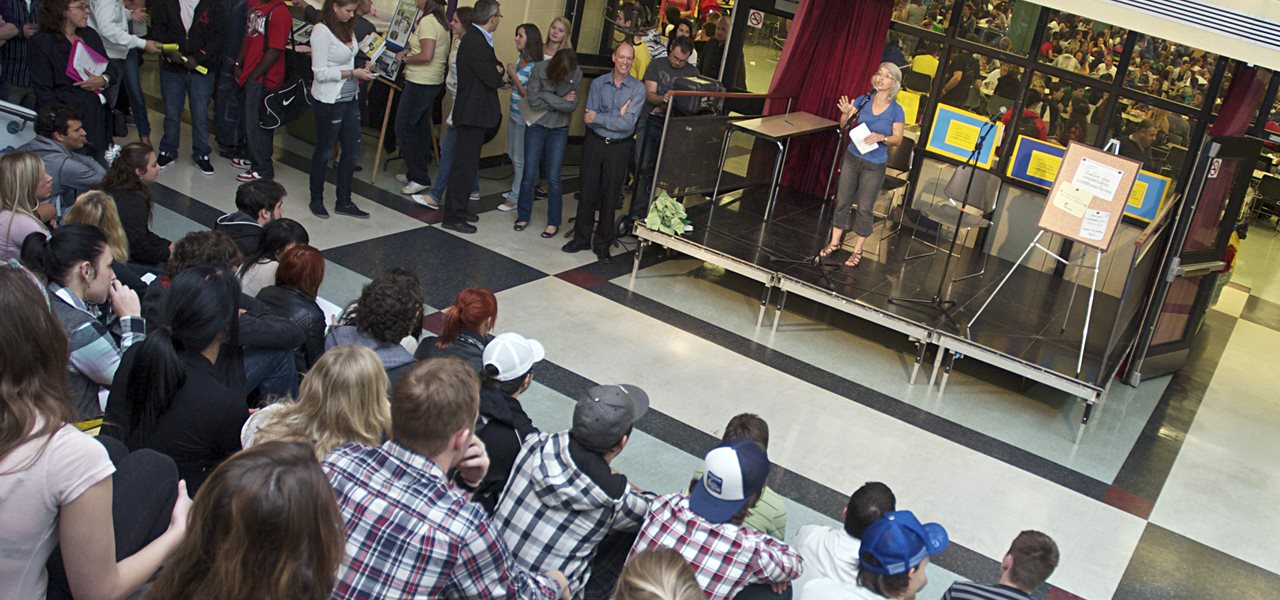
column 996, row 117
column 857, row 108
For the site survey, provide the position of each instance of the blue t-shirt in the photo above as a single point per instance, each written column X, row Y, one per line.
column 882, row 124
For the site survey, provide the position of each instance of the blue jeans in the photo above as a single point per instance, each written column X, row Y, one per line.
column 515, row 150
column 446, row 163
column 259, row 142
column 229, row 117
column 274, row 372
column 645, row 163
column 132, row 84
column 413, row 129
column 174, row 88
column 339, row 121
column 537, row 141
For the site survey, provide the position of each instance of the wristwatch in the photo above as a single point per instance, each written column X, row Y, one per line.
column 106, row 78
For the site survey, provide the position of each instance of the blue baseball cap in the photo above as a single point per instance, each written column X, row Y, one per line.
column 899, row 543
column 735, row 472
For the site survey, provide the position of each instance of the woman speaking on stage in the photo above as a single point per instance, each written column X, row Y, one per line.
column 862, row 173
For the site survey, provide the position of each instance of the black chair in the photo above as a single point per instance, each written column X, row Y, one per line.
column 1266, row 203
column 996, row 103
column 917, row 82
column 977, row 215
column 899, row 160
column 1173, row 160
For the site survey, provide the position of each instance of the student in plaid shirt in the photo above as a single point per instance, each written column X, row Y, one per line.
column 76, row 262
column 705, row 527
column 411, row 533
column 564, row 498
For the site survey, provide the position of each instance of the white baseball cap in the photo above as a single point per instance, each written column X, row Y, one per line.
column 512, row 355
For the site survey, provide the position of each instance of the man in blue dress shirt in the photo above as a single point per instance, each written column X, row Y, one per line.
column 614, row 104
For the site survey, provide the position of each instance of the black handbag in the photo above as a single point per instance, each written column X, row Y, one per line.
column 285, row 105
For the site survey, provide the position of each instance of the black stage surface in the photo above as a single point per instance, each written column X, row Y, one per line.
column 1024, row 322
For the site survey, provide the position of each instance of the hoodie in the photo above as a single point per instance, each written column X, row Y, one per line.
column 73, row 173
column 243, row 229
column 502, row 426
column 395, row 359
column 561, row 502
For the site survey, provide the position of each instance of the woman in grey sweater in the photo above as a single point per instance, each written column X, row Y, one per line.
column 551, row 98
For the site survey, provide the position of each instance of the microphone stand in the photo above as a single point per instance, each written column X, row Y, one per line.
column 937, row 302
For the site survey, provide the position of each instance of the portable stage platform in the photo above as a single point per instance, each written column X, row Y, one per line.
column 1027, row 330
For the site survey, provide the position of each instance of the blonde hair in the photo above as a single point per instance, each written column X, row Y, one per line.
column 98, row 208
column 20, row 175
column 567, row 43
column 658, row 574
column 343, row 400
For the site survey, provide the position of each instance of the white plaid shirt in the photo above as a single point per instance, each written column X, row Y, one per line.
column 553, row 516
column 725, row 558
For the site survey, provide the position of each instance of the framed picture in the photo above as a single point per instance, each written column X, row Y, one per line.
column 402, row 22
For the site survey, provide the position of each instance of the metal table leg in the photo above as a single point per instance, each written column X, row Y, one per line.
column 635, row 264
column 777, row 313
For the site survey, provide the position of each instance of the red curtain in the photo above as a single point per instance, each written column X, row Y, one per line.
column 833, row 48
column 1242, row 101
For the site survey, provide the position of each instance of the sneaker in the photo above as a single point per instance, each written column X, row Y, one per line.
column 248, row 176
column 507, row 206
column 402, row 178
column 319, row 211
column 475, row 195
column 203, row 163
column 413, row 187
column 242, row 163
column 164, row 160
column 540, row 192
column 351, row 210
column 426, row 200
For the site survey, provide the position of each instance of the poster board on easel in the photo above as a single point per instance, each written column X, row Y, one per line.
column 1089, row 195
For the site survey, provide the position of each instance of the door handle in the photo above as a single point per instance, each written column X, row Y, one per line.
column 1197, row 269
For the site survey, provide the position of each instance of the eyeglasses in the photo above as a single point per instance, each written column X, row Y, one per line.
column 79, row 6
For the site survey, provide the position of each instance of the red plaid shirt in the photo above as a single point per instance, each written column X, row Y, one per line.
column 725, row 557
column 410, row 534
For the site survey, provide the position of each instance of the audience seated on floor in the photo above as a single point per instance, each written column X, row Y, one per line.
column 259, row 268
column 503, row 425
column 265, row 526
column 57, row 483
column 298, row 279
column 23, row 184
column 101, row 317
column 129, row 182
column 60, row 139
column 343, row 400
column 1030, row 561
column 257, row 203
column 96, row 208
column 658, row 574
column 831, row 553
column 564, row 497
column 411, row 530
column 167, row 394
column 466, row 329
column 892, row 558
column 389, row 309
column 769, row 513
column 705, row 527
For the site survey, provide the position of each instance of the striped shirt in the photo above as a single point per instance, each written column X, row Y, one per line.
column 97, row 340
column 967, row 590
column 13, row 54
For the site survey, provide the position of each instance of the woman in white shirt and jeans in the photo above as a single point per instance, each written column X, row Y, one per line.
column 337, row 109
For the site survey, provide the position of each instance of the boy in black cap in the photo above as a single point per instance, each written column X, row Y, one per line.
column 563, row 498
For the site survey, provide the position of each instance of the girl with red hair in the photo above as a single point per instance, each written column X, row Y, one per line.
column 466, row 329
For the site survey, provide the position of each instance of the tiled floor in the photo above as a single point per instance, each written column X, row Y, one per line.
column 1168, row 495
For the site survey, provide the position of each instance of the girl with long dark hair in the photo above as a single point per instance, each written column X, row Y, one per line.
column 424, row 72
column 168, row 394
column 553, row 86
column 274, row 491
column 529, row 45
column 76, row 264
column 57, row 483
column 258, row 270
column 337, row 105
column 129, row 180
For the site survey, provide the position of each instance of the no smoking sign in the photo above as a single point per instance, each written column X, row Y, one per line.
column 755, row 18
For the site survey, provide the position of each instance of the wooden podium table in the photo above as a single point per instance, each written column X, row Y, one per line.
column 780, row 129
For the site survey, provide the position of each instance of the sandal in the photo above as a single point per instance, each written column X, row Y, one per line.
column 550, row 231
column 829, row 250
column 853, row 260
column 520, row 225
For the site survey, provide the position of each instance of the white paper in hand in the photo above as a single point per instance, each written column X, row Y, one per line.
column 84, row 62
column 858, row 135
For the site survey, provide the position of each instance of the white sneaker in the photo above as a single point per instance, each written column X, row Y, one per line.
column 507, row 206
column 426, row 200
column 475, row 195
column 402, row 178
column 413, row 187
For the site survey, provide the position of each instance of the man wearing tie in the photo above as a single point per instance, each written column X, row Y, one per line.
column 475, row 111
column 614, row 104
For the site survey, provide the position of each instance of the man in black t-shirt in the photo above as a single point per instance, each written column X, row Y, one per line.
column 659, row 79
column 955, row 91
